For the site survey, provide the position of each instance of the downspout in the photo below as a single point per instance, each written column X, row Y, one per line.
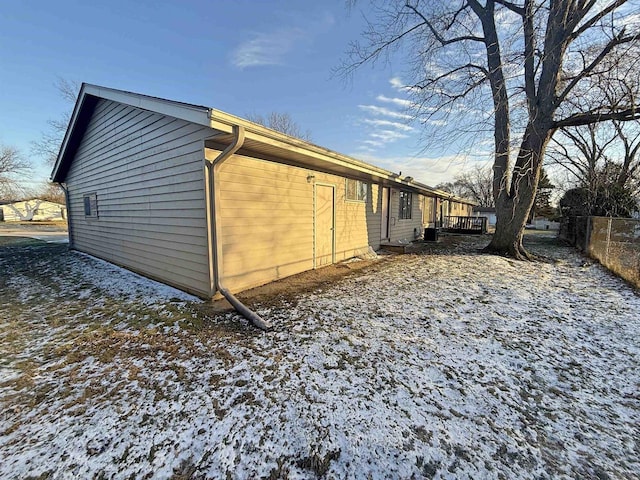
column 214, row 201
column 68, row 206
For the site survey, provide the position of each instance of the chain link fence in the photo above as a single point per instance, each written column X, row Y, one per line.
column 614, row 242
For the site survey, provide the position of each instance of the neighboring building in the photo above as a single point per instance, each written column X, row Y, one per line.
column 542, row 223
column 201, row 199
column 489, row 212
column 32, row 210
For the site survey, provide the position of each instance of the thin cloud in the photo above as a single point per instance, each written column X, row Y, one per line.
column 389, row 117
column 401, row 102
column 398, row 85
column 272, row 47
column 373, row 143
column 428, row 170
column 377, row 122
column 376, row 110
column 388, row 136
column 266, row 48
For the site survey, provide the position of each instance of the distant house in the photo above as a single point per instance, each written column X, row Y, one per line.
column 209, row 202
column 542, row 223
column 32, row 210
column 489, row 212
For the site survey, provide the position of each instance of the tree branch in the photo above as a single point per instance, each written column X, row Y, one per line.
column 597, row 17
column 376, row 51
column 437, row 35
column 596, row 117
column 512, row 6
column 456, row 70
column 614, row 42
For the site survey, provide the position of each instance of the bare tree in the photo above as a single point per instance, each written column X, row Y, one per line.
column 524, row 65
column 51, row 192
column 475, row 184
column 478, row 183
column 628, row 135
column 48, row 145
column 581, row 152
column 13, row 166
column 599, row 154
column 283, row 123
column 456, row 188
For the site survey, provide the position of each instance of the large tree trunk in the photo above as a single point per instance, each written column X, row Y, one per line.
column 514, row 204
column 511, row 218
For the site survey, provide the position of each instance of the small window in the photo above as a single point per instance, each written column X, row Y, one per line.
column 356, row 190
column 91, row 205
column 405, row 205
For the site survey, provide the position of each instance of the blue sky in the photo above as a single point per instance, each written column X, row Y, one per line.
column 243, row 57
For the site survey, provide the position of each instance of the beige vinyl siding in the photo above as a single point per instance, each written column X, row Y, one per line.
column 403, row 229
column 147, row 172
column 459, row 209
column 267, row 216
column 465, row 210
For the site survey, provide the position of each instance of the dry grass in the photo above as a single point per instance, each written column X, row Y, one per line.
column 6, row 241
column 173, row 385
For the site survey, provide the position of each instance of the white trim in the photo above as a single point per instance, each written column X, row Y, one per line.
column 190, row 113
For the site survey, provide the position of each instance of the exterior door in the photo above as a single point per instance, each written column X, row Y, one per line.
column 324, row 247
column 385, row 214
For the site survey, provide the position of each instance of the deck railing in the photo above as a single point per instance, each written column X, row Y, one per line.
column 469, row 225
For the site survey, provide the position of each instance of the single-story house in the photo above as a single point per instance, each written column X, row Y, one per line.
column 33, row 209
column 208, row 202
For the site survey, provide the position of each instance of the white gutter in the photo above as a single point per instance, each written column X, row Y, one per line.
column 216, row 254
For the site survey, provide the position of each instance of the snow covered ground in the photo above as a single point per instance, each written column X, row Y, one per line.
column 448, row 364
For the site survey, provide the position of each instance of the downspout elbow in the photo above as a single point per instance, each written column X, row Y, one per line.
column 238, row 141
column 255, row 319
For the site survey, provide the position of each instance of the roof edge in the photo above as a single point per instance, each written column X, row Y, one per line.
column 217, row 120
column 224, row 122
column 191, row 113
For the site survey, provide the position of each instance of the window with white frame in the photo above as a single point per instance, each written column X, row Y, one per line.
column 405, row 205
column 91, row 205
column 356, row 190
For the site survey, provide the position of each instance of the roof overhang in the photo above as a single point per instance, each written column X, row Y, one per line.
column 260, row 141
column 268, row 144
column 88, row 98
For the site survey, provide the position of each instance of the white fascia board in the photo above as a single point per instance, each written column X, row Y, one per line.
column 184, row 111
column 190, row 113
column 224, row 122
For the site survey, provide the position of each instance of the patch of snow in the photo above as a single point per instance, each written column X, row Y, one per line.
column 116, row 280
column 443, row 366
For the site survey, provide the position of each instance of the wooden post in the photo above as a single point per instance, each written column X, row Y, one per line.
column 606, row 254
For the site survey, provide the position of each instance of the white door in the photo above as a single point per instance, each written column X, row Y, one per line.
column 385, row 214
column 324, row 226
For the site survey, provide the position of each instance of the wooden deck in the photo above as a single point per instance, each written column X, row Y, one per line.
column 466, row 225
